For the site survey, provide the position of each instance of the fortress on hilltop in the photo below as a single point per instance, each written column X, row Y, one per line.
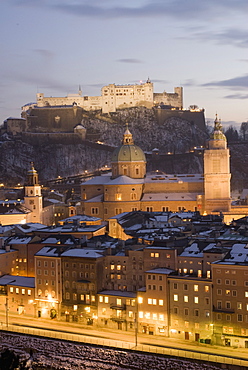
column 116, row 97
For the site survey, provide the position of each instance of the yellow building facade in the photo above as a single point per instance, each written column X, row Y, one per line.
column 130, row 188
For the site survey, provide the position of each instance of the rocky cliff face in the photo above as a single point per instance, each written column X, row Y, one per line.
column 68, row 158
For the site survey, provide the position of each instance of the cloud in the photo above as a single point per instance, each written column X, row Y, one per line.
column 190, row 82
column 44, row 53
column 237, row 96
column 235, row 83
column 159, row 8
column 232, row 36
column 129, row 60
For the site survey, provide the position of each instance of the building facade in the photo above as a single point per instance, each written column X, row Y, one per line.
column 130, row 188
column 115, row 97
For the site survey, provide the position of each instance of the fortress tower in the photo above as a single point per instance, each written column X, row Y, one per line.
column 217, row 172
column 33, row 197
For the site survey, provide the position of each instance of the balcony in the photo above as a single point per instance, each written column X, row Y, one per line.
column 117, row 318
column 118, row 307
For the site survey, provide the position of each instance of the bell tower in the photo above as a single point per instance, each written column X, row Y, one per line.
column 33, row 197
column 217, row 172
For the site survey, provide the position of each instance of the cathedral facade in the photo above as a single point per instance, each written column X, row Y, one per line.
column 130, row 188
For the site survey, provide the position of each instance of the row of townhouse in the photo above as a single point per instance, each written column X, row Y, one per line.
column 196, row 292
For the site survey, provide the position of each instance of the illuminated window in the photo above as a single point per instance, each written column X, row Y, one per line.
column 196, row 287
column 106, row 300
column 141, row 315
column 175, row 297
column 208, row 274
column 199, row 273
column 93, row 298
column 147, row 315
column 207, row 313
column 154, row 316
column 196, row 299
column 161, row 316
column 104, row 311
column 161, row 302
column 239, row 306
column 152, row 254
column 130, row 314
column 140, row 300
column 119, row 267
column 11, row 289
column 246, row 294
column 228, row 292
column 149, row 300
column 185, row 271
column 156, row 255
column 17, row 290
column 154, row 301
column 206, row 288
column 118, row 196
column 118, row 301
column 112, row 267
column 23, row 291
column 186, row 298
column 100, row 298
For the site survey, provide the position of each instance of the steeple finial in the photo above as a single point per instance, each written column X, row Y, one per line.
column 217, row 123
column 127, row 137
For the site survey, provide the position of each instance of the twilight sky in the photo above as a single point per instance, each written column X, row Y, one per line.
column 53, row 46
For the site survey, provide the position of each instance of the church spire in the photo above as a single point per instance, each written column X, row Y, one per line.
column 32, row 175
column 217, row 123
column 127, row 137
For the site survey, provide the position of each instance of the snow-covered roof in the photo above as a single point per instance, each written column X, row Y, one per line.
column 19, row 240
column 160, row 271
column 70, row 228
column 98, row 180
column 167, row 178
column 169, row 197
column 2, row 251
column 48, row 251
column 80, row 218
column 118, row 293
column 24, row 281
column 192, row 251
column 238, row 254
column 125, row 180
column 57, row 240
column 98, row 198
column 83, row 253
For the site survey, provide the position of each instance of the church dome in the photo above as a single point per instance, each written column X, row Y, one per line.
column 128, row 151
column 128, row 159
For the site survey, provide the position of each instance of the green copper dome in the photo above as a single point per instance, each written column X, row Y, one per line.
column 128, row 151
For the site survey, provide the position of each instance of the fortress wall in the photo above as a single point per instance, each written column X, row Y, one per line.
column 196, row 118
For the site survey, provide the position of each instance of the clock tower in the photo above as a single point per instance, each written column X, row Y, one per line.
column 33, row 197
